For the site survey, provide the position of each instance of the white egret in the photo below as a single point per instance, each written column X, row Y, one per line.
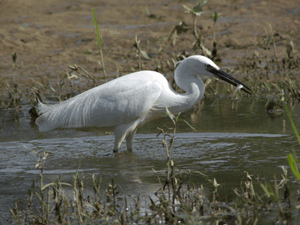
column 126, row 103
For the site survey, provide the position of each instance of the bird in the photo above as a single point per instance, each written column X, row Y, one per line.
column 126, row 103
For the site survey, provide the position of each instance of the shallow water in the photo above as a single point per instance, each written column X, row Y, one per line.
column 230, row 138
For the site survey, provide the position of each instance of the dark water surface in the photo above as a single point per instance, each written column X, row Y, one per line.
column 230, row 138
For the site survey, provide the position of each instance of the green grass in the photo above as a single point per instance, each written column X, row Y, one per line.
column 99, row 41
column 292, row 157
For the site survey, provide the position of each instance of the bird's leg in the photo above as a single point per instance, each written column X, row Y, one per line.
column 122, row 131
column 119, row 138
column 118, row 143
column 129, row 140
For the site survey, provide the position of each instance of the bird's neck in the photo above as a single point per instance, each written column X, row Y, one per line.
column 194, row 88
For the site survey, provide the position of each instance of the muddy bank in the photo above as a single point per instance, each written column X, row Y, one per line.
column 49, row 36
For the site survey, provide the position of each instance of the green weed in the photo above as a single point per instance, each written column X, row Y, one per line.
column 99, row 41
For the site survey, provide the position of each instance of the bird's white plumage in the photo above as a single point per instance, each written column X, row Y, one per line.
column 117, row 102
column 126, row 103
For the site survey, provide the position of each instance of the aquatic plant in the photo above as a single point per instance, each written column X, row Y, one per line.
column 177, row 200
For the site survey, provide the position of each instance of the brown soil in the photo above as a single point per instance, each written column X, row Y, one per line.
column 50, row 35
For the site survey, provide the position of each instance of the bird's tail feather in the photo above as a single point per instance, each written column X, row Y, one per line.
column 43, row 120
column 42, row 108
column 62, row 115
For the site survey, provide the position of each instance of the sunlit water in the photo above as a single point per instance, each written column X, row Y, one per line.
column 230, row 138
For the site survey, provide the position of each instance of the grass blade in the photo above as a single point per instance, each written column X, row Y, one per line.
column 96, row 27
column 293, row 164
column 292, row 158
column 99, row 40
column 287, row 111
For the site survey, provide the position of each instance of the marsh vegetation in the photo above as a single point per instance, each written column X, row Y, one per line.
column 51, row 63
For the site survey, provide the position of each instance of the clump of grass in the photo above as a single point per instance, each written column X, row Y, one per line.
column 177, row 201
column 271, row 78
column 13, row 99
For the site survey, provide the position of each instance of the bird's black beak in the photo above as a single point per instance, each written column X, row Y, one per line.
column 226, row 77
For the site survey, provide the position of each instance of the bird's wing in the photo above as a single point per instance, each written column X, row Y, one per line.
column 117, row 102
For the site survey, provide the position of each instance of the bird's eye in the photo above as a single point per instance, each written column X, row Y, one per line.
column 207, row 66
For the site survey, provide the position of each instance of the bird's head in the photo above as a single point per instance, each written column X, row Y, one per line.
column 198, row 65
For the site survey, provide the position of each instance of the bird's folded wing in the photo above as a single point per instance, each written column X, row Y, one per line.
column 107, row 105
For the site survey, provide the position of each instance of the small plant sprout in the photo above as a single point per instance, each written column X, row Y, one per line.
column 77, row 70
column 214, row 16
column 14, row 58
column 139, row 51
column 274, row 45
column 215, row 189
column 99, row 40
column 181, row 28
column 196, row 11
